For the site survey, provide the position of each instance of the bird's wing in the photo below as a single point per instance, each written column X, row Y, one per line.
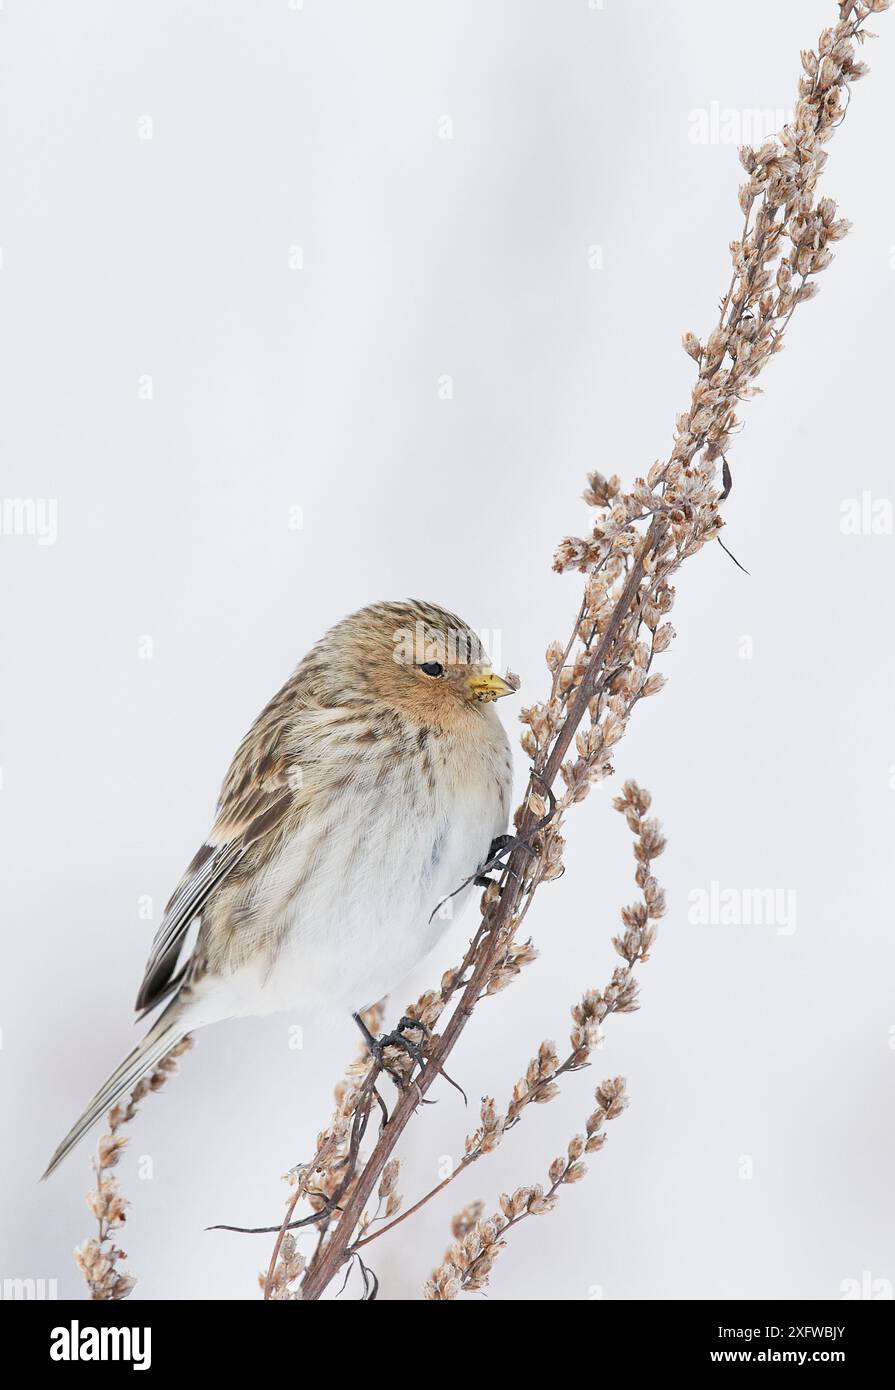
column 258, row 792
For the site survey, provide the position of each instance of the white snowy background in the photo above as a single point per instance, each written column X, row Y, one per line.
column 240, row 257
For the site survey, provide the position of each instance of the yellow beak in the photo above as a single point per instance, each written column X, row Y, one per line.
column 486, row 685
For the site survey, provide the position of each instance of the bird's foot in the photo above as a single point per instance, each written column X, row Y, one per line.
column 401, row 1078
column 377, row 1047
column 494, row 859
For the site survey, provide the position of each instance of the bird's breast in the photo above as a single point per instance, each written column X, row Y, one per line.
column 367, row 884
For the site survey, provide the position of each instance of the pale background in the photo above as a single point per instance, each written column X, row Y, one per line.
column 275, row 388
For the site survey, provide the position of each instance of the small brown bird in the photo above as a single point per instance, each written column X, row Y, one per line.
column 370, row 788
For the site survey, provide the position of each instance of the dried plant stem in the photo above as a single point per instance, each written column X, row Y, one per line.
column 99, row 1257
column 281, row 1236
column 361, row 1115
column 465, row 1163
column 595, row 666
column 411, row 1211
column 492, row 940
column 540, row 1083
column 604, row 669
column 467, row 1263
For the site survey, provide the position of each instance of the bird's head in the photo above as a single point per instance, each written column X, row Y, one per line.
column 417, row 658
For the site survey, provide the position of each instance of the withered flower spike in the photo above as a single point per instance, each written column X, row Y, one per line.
column 98, row 1258
column 638, row 539
column 467, row 1263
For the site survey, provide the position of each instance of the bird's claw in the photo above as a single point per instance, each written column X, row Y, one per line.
column 377, row 1046
column 496, row 848
column 397, row 1039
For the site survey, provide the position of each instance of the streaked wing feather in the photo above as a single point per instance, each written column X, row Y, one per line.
column 188, row 900
column 256, row 796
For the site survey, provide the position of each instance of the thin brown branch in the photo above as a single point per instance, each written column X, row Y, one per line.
column 495, row 927
column 784, row 245
column 539, row 1084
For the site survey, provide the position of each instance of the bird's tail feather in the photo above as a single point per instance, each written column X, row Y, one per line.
column 165, row 1034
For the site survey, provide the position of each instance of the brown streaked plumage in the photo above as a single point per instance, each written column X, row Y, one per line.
column 368, row 790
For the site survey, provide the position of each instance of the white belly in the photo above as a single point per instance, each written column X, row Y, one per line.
column 359, row 921
column 362, row 926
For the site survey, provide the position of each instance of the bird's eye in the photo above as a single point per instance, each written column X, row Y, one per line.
column 432, row 668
